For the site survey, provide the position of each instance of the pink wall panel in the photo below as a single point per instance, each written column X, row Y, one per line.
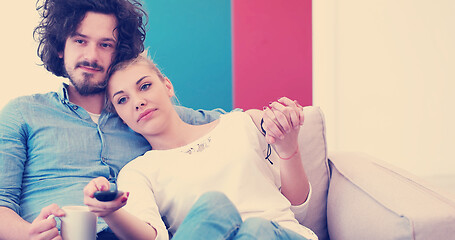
column 272, row 54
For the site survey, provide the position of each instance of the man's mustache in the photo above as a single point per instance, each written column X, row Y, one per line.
column 93, row 65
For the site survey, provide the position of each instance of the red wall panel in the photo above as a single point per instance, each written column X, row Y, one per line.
column 272, row 54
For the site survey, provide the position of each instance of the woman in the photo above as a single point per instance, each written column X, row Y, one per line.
column 227, row 156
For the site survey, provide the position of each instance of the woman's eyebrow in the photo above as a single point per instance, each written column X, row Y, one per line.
column 121, row 91
column 140, row 79
column 137, row 83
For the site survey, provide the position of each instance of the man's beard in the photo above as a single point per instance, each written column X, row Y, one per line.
column 84, row 87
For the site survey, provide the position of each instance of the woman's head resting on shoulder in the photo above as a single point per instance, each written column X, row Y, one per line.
column 140, row 94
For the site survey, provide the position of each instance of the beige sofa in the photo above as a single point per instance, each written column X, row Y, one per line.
column 355, row 196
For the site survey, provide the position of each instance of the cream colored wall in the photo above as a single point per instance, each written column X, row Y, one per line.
column 384, row 73
column 19, row 70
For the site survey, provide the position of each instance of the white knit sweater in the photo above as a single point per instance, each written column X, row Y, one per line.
column 229, row 159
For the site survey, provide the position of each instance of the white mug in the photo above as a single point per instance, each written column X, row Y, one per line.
column 78, row 223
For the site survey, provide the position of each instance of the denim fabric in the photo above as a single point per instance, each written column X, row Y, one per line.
column 50, row 149
column 214, row 216
column 106, row 234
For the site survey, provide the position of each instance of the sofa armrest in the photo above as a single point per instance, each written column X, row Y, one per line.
column 370, row 199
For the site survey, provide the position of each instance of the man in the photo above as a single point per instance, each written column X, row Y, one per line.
column 52, row 145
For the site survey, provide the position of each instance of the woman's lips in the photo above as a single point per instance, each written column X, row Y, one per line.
column 146, row 114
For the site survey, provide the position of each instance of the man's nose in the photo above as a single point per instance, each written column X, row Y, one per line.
column 91, row 53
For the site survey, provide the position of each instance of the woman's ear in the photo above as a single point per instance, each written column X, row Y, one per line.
column 169, row 87
column 60, row 55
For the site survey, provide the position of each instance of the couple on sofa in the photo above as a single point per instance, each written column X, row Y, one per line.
column 53, row 144
column 226, row 157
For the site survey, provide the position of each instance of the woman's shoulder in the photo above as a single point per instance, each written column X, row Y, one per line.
column 247, row 118
column 236, row 116
column 140, row 161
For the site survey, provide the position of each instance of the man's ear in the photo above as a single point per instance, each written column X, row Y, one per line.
column 60, row 54
column 169, row 87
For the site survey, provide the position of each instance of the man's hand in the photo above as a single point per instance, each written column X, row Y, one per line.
column 44, row 226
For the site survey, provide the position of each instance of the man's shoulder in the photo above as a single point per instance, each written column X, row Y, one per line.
column 30, row 103
column 37, row 98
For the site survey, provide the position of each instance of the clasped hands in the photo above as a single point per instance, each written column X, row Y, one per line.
column 281, row 121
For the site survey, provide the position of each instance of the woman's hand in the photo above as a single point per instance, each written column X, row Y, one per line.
column 102, row 209
column 282, row 121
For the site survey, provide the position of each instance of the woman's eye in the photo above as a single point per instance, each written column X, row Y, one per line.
column 79, row 41
column 121, row 100
column 145, row 86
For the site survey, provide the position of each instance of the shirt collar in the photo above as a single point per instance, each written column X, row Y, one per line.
column 64, row 98
column 63, row 93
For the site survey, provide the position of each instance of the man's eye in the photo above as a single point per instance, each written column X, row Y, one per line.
column 106, row 45
column 145, row 86
column 79, row 41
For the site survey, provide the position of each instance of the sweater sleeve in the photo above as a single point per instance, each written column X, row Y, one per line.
column 300, row 211
column 141, row 201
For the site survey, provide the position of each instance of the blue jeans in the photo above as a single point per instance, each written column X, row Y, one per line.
column 214, row 216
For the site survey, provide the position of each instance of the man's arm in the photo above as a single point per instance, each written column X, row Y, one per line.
column 13, row 155
column 12, row 226
column 198, row 117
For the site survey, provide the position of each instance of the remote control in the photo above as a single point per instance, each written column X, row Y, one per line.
column 106, row 196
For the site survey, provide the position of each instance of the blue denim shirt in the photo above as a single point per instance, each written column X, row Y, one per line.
column 50, row 149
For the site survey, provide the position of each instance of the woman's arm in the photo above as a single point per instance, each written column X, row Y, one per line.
column 122, row 223
column 281, row 122
column 294, row 182
column 127, row 226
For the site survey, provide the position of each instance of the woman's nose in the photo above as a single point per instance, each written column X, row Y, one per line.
column 140, row 104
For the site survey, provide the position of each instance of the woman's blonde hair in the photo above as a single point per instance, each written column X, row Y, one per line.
column 144, row 58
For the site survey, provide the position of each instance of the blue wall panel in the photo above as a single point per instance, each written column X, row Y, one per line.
column 191, row 43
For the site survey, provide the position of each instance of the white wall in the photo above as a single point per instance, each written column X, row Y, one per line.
column 384, row 74
column 19, row 70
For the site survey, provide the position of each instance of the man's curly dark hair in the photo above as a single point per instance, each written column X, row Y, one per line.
column 60, row 19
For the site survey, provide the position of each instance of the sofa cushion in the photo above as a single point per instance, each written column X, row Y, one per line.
column 370, row 199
